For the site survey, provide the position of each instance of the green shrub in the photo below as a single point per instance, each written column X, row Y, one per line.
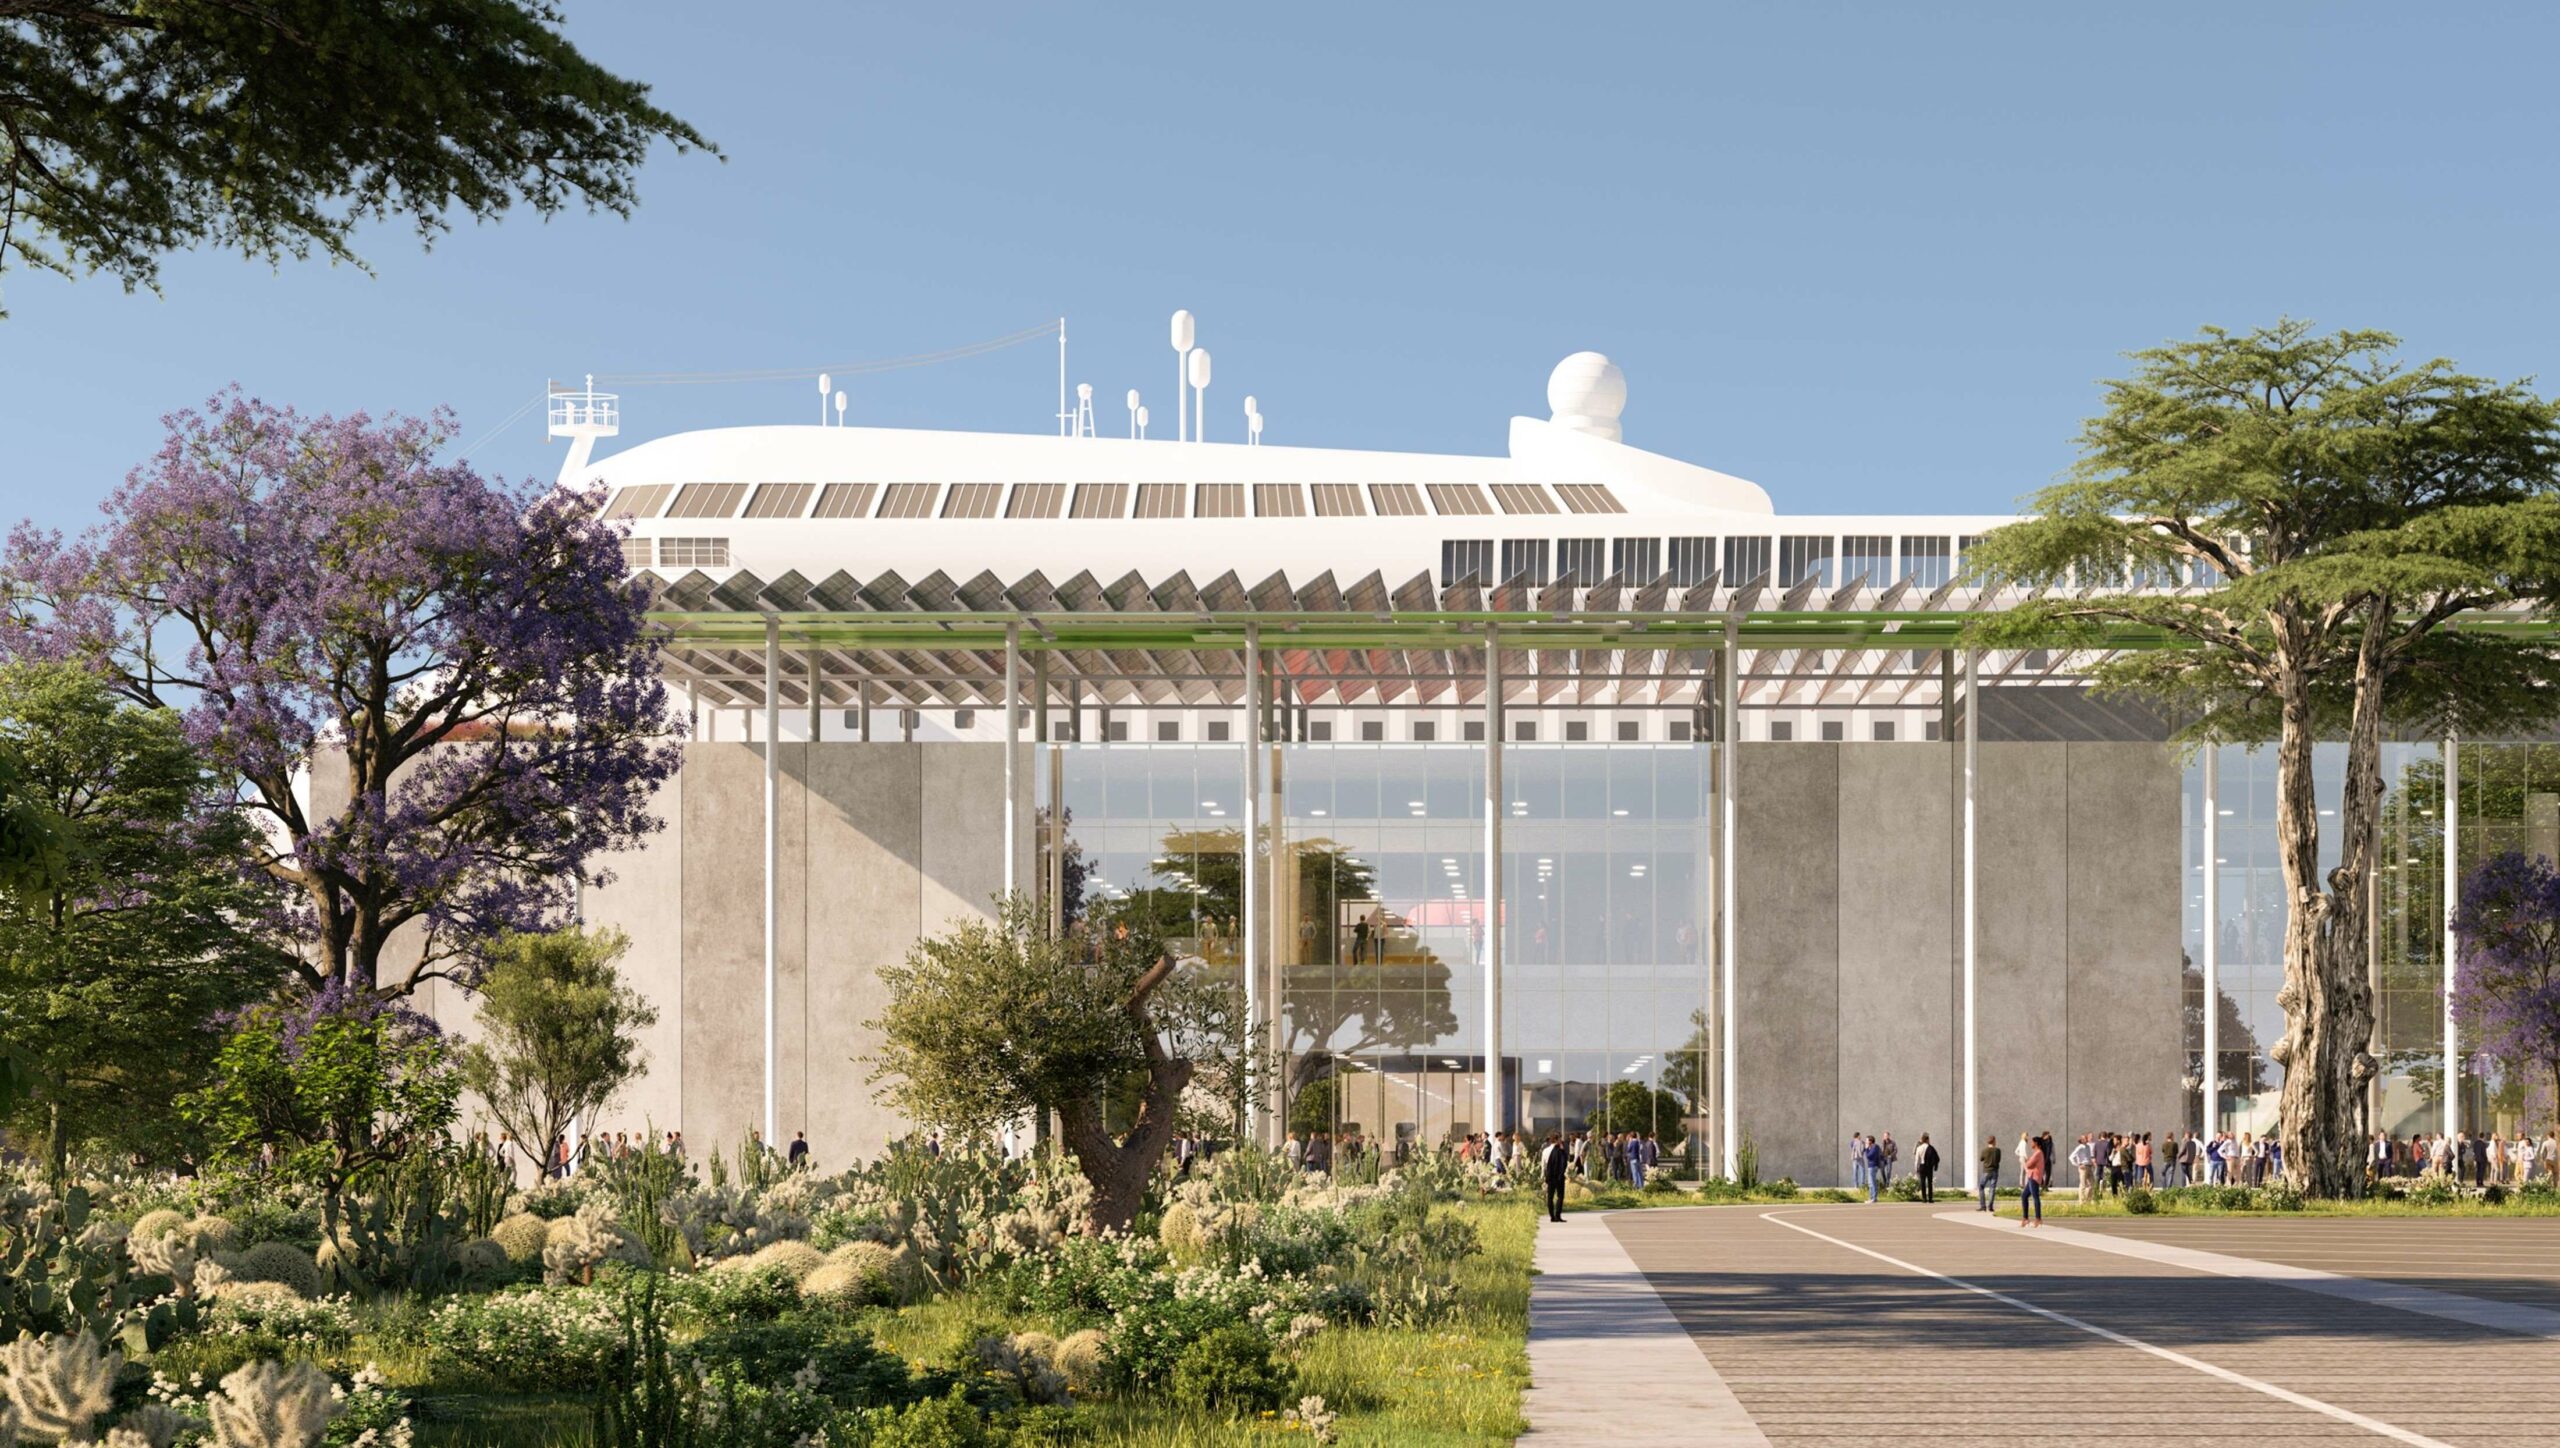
column 757, row 1293
column 2141, row 1201
column 212, row 1357
column 529, row 1338
column 1660, row 1184
column 1230, row 1369
column 946, row 1422
column 2435, row 1190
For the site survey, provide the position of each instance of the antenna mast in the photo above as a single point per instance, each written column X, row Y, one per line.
column 1063, row 419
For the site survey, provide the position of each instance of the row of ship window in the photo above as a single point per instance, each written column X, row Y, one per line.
column 1878, row 561
column 1104, row 500
column 1824, row 560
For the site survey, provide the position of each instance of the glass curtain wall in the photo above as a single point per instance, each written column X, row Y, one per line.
column 1378, row 898
column 2510, row 801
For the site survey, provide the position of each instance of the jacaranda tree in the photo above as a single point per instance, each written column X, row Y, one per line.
column 2506, row 983
column 437, row 694
column 2330, row 515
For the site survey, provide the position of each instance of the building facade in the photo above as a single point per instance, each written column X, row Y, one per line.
column 1505, row 784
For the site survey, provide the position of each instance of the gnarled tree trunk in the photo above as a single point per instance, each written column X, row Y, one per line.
column 1118, row 1167
column 2327, row 997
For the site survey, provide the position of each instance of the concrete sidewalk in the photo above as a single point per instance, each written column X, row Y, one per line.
column 1608, row 1364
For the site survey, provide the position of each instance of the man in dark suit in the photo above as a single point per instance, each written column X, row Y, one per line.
column 1927, row 1163
column 1552, row 1166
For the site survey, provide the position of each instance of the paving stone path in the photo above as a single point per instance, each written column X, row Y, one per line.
column 1864, row 1325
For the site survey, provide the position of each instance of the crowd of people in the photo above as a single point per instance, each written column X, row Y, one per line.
column 2478, row 1160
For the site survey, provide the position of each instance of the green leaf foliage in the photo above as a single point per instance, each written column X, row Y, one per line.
column 134, row 128
column 114, row 963
column 2320, row 495
column 557, row 1034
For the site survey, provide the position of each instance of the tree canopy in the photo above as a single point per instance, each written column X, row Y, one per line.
column 437, row 695
column 134, row 128
column 328, row 1089
column 995, row 1020
column 113, row 968
column 2318, row 517
column 556, row 1036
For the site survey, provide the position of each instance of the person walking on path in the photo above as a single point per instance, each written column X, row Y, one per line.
column 1857, row 1161
column 1551, row 1165
column 2031, row 1173
column 1924, row 1160
column 1990, row 1180
column 1875, row 1168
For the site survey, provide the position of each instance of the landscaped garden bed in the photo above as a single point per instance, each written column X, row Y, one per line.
column 921, row 1299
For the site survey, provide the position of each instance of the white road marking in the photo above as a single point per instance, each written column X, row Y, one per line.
column 2372, row 1290
column 2288, row 1395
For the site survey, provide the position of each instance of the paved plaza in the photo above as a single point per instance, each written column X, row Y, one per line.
column 1857, row 1324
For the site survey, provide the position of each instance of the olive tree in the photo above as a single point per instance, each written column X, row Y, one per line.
column 997, row 1019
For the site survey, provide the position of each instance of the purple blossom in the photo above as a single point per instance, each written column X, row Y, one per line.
column 437, row 696
column 2507, row 977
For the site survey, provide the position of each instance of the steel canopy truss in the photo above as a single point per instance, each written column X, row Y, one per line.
column 1173, row 644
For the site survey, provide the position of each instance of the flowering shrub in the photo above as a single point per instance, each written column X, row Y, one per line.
column 278, row 1316
column 527, row 1338
column 277, row 1408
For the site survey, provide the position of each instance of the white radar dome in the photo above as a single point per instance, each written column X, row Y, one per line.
column 1587, row 392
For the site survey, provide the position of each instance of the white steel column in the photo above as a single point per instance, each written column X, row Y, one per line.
column 1972, row 1152
column 1012, row 748
column 772, row 862
column 2212, row 950
column 2452, row 893
column 1730, row 1148
column 1248, row 864
column 1493, row 807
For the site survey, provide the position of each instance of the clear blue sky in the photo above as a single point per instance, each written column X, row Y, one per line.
column 1873, row 257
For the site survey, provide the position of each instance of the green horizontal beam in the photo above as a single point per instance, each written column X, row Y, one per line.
column 1225, row 632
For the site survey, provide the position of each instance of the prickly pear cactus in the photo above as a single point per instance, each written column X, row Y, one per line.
column 56, row 1277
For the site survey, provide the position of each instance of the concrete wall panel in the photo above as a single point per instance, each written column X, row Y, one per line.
column 645, row 901
column 2022, row 841
column 1787, row 916
column 963, row 793
column 2121, row 879
column 866, row 881
column 1897, row 935
column 723, row 943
